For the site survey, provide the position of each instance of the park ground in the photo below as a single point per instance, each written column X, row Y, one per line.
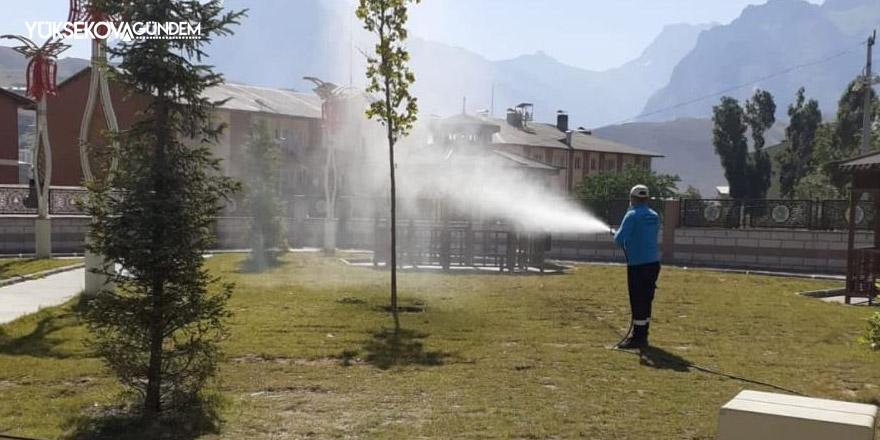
column 482, row 356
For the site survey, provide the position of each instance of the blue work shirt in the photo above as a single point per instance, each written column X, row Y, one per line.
column 638, row 235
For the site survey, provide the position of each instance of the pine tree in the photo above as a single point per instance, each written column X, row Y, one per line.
column 159, row 329
column 263, row 197
column 390, row 77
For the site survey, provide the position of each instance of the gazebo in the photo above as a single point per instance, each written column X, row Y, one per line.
column 863, row 264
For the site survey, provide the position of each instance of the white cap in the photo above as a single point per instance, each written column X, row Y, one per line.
column 639, row 191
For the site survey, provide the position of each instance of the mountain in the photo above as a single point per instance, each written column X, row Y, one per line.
column 687, row 145
column 13, row 67
column 282, row 41
column 821, row 43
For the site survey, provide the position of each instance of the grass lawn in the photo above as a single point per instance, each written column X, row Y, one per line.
column 10, row 267
column 491, row 356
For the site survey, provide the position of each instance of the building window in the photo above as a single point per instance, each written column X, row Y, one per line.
column 577, row 163
column 610, row 165
column 593, row 164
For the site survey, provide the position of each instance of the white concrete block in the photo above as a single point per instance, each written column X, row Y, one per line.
column 754, row 415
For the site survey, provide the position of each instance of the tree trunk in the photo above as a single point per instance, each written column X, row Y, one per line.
column 393, row 259
column 153, row 398
column 153, row 403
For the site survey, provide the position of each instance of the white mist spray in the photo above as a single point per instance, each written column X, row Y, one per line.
column 473, row 179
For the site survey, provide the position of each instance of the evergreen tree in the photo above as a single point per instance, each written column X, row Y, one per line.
column 390, row 77
column 797, row 160
column 263, row 197
column 159, row 329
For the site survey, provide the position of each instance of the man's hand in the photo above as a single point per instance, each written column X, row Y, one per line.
column 611, row 231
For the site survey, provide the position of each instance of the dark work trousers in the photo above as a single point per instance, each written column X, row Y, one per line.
column 642, row 282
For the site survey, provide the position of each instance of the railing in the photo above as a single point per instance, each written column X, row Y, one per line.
column 22, row 200
column 711, row 213
column 722, row 213
column 834, row 214
column 461, row 244
column 787, row 214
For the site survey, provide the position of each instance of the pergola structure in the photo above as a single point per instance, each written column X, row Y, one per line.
column 863, row 264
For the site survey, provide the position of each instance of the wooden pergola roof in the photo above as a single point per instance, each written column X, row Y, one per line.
column 865, row 162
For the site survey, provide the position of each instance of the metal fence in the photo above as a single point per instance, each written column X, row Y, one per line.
column 786, row 214
column 723, row 213
column 22, row 200
column 462, row 244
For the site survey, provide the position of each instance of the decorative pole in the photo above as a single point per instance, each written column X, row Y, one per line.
column 42, row 81
column 331, row 114
column 99, row 91
column 99, row 87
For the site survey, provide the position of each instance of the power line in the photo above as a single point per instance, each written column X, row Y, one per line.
column 740, row 86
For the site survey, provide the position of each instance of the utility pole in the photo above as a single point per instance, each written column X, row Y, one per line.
column 492, row 109
column 868, row 85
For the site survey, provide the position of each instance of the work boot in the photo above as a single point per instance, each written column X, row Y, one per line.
column 638, row 340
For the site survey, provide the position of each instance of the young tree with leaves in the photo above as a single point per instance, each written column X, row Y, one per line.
column 390, row 77
column 159, row 329
column 611, row 185
column 797, row 160
column 263, row 198
column 850, row 117
column 729, row 139
column 760, row 115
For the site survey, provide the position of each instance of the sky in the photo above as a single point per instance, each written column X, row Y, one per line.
column 610, row 31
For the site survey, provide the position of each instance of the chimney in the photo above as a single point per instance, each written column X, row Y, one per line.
column 562, row 121
column 514, row 118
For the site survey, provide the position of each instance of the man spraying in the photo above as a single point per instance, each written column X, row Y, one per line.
column 637, row 236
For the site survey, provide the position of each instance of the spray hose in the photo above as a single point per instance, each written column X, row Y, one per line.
column 689, row 364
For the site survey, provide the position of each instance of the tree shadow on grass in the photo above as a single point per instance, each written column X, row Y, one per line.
column 41, row 342
column 200, row 418
column 656, row 357
column 253, row 266
column 5, row 267
column 387, row 349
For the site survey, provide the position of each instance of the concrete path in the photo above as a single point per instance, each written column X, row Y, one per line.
column 30, row 296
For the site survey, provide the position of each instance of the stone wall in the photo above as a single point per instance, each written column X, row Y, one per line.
column 769, row 249
column 760, row 249
column 17, row 234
